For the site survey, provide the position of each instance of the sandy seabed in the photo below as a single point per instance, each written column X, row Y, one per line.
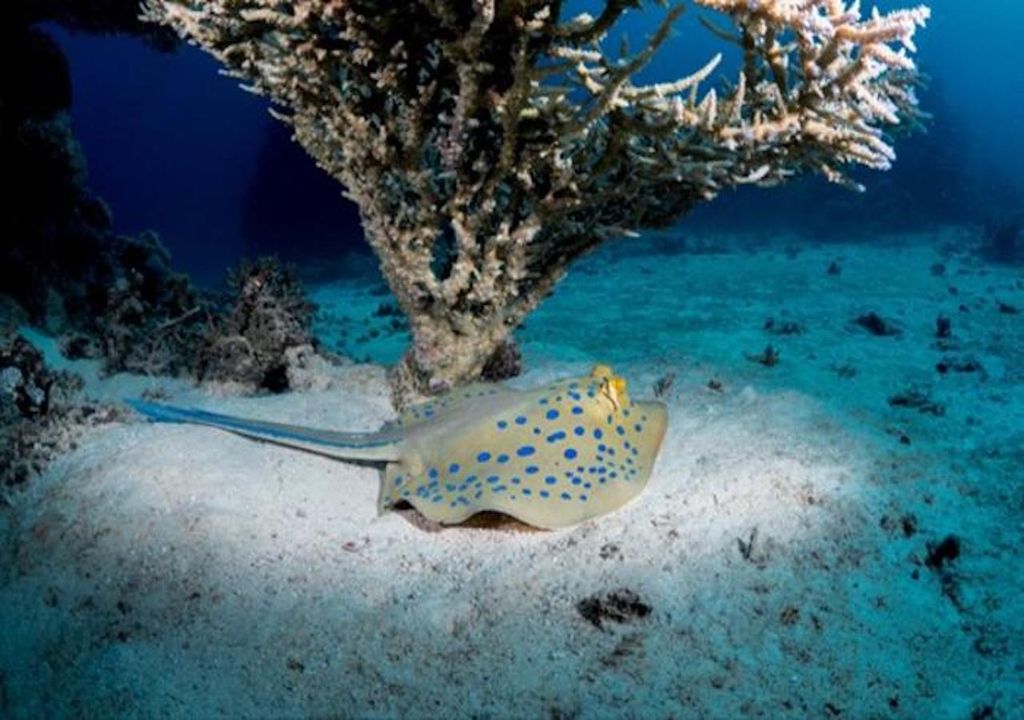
column 792, row 556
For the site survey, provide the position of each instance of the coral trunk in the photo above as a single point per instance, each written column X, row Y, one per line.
column 442, row 357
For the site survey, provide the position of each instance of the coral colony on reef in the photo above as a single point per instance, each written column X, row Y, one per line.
column 490, row 143
column 251, row 344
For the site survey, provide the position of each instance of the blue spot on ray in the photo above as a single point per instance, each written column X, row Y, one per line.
column 526, row 451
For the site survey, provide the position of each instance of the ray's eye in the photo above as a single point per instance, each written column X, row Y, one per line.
column 613, row 389
column 606, row 391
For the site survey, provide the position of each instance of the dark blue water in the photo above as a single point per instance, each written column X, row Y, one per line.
column 175, row 147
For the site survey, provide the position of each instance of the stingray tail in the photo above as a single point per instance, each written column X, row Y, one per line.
column 375, row 446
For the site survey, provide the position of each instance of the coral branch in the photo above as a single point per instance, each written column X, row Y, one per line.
column 506, row 137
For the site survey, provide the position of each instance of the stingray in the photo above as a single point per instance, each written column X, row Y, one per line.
column 550, row 457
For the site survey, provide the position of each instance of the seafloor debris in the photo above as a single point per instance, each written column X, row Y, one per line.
column 844, row 370
column 906, row 524
column 611, row 551
column 1006, row 308
column 943, row 552
column 787, row 327
column 943, row 327
column 877, row 325
column 939, row 559
column 618, row 606
column 663, row 385
column 959, row 365
column 834, row 268
column 270, row 316
column 769, row 357
column 40, row 415
column 916, row 399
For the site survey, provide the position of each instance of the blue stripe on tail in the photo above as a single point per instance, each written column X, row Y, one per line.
column 262, row 429
column 162, row 413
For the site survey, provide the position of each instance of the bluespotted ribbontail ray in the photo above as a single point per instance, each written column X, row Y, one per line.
column 550, row 457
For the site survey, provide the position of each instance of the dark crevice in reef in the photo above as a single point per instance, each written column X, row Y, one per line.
column 112, row 297
column 61, row 265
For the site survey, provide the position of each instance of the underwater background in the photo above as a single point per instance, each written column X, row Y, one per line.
column 833, row 528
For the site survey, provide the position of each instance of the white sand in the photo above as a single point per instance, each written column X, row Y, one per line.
column 171, row 571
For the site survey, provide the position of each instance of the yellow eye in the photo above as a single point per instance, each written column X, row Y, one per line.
column 618, row 386
column 614, row 388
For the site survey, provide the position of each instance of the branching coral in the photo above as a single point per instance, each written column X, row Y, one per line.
column 505, row 136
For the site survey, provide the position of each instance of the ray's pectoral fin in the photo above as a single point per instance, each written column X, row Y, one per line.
column 550, row 457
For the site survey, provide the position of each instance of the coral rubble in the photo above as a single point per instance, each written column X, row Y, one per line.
column 489, row 143
column 267, row 331
column 40, row 415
